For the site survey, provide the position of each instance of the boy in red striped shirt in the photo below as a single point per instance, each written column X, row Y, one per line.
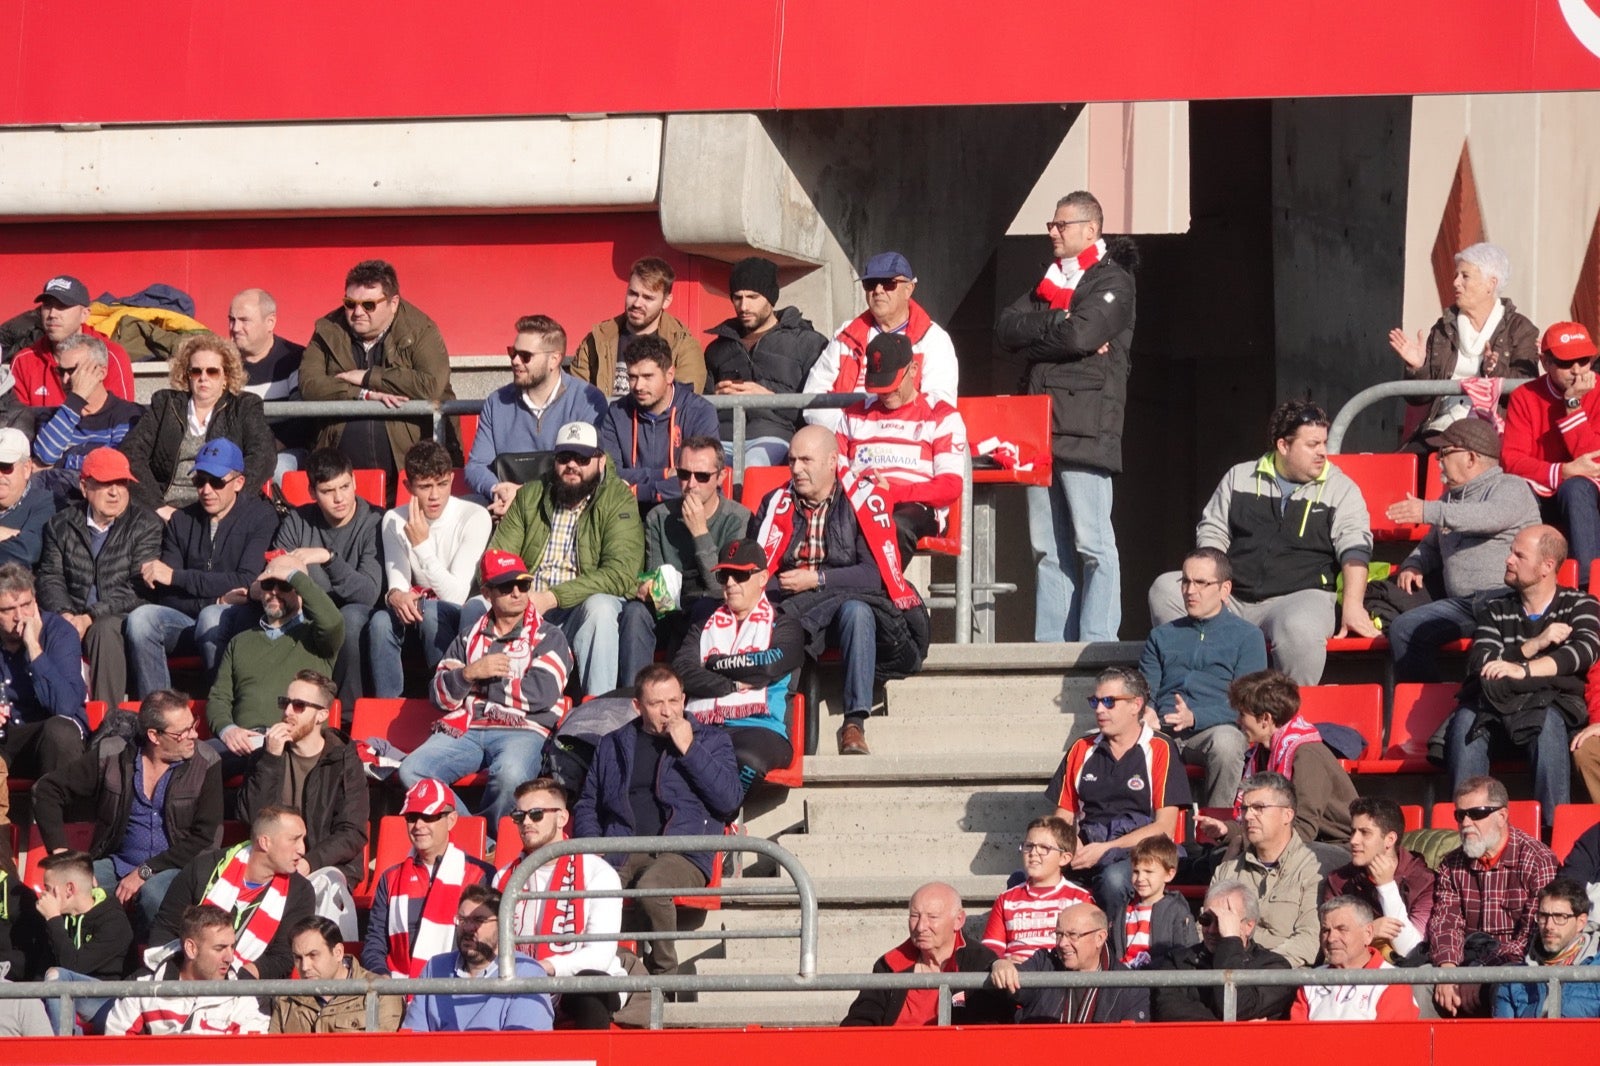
column 1157, row 922
column 1023, row 919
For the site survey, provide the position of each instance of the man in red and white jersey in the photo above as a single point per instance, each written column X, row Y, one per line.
column 1347, row 945
column 204, row 951
column 908, row 444
column 1023, row 919
column 889, row 283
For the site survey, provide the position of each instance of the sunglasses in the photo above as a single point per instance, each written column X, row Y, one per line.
column 415, row 817
column 702, row 476
column 741, row 576
column 572, row 459
column 1568, row 364
column 521, row 584
column 198, row 372
column 1107, row 702
column 533, row 814
column 368, row 306
column 886, row 284
column 1206, row 919
column 6, row 468
column 300, row 706
column 272, row 584
column 1476, row 814
column 210, row 481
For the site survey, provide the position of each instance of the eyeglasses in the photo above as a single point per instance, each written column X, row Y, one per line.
column 300, row 706
column 414, row 817
column 886, row 284
column 1570, row 364
column 1064, row 936
column 181, row 734
column 210, row 481
column 197, row 372
column 533, row 814
column 1107, row 702
column 272, row 584
column 1476, row 814
column 1195, row 583
column 572, row 459
column 521, row 584
column 1259, row 809
column 702, row 476
column 1552, row 916
column 473, row 921
column 739, row 576
column 368, row 306
column 1056, row 227
column 1031, row 849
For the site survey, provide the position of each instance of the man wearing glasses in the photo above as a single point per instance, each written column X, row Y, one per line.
column 687, row 535
column 1081, row 933
column 1272, row 860
column 541, row 816
column 376, row 347
column 1228, row 920
column 1563, row 938
column 1074, row 331
column 578, row 528
column 310, row 766
column 157, row 803
column 90, row 416
column 499, row 692
column 417, row 899
column 889, row 283
column 477, row 928
column 1490, row 885
column 523, row 417
column 1292, row 524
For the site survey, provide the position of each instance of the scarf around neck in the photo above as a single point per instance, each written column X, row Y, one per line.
column 440, row 892
column 1062, row 277
column 227, row 890
column 1279, row 754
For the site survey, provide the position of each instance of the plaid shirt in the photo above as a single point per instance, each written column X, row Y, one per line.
column 1469, row 897
column 812, row 550
column 559, row 563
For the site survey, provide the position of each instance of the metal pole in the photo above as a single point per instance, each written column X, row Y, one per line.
column 964, row 623
column 1230, row 999
column 372, row 1010
column 1390, row 390
column 944, row 1005
column 738, row 444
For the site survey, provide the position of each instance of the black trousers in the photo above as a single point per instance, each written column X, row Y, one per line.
column 912, row 522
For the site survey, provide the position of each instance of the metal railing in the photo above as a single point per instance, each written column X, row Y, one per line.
column 1394, row 390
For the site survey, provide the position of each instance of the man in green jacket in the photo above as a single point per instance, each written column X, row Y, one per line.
column 578, row 528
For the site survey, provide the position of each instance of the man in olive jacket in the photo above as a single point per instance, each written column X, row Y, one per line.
column 381, row 348
column 578, row 529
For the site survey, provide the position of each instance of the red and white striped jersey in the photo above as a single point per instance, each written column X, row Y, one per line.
column 914, row 452
column 1023, row 919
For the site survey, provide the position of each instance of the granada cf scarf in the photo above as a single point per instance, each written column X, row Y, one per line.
column 723, row 635
column 440, row 894
column 1061, row 280
column 555, row 916
column 513, row 711
column 853, row 361
column 227, row 889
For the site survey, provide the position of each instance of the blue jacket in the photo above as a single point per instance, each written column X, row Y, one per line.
column 507, row 426
column 28, row 518
column 641, row 445
column 1578, row 1000
column 1199, row 659
column 50, row 684
column 487, row 1011
column 203, row 568
column 700, row 790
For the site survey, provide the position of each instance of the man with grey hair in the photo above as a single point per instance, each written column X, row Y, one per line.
column 1228, row 920
column 1275, row 864
column 1073, row 331
column 271, row 366
column 1480, row 335
column 1346, row 938
column 90, row 417
column 42, row 693
column 1490, row 886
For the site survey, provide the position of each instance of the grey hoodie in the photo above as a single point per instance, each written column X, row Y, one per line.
column 1473, row 527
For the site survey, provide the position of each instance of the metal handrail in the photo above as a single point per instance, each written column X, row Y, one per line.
column 1391, row 390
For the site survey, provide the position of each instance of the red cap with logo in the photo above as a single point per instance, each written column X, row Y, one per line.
column 501, row 566
column 1566, row 341
column 428, row 797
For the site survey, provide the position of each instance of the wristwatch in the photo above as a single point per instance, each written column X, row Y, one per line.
column 1573, row 403
column 144, row 871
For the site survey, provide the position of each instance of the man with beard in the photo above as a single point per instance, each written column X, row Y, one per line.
column 1347, row 945
column 1081, row 933
column 601, row 358
column 1228, row 920
column 578, row 527
column 477, row 930
column 1485, row 894
column 1564, row 939
column 314, row 768
column 300, row 629
column 525, row 415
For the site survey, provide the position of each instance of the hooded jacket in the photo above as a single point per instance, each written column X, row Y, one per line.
column 185, row 1015
column 94, row 943
column 1578, row 999
column 610, row 539
column 644, row 446
column 780, row 360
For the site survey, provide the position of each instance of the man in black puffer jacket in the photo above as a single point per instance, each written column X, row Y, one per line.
column 1075, row 329
column 1081, row 934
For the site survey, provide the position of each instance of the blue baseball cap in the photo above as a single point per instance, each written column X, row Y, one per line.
column 219, row 458
column 888, row 265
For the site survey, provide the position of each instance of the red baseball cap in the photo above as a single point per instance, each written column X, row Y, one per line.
column 501, row 566
column 1566, row 341
column 108, row 464
column 428, row 797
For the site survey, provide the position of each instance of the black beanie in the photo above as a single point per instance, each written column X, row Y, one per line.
column 755, row 275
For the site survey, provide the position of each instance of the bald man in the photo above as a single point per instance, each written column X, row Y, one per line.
column 935, row 945
column 823, row 565
column 1081, row 933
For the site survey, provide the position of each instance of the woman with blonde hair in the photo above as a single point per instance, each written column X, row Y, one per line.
column 206, row 401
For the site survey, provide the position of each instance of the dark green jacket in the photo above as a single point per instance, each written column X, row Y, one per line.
column 610, row 538
column 256, row 669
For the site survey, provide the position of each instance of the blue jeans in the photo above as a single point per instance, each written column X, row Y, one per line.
column 151, row 633
column 1547, row 753
column 148, row 901
column 510, row 755
column 1079, row 586
column 218, row 625
column 95, row 1010
column 593, row 629
column 386, row 639
column 1577, row 510
column 855, row 631
column 760, row 451
column 1415, row 636
column 1112, row 885
column 637, row 648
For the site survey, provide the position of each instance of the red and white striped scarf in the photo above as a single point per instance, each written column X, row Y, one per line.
column 227, row 890
column 1061, row 280
column 725, row 635
column 1136, row 928
column 552, row 917
column 859, row 332
column 1279, row 755
column 514, row 711
column 440, row 892
column 872, row 516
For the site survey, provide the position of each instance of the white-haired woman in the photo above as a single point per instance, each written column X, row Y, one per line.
column 1481, row 335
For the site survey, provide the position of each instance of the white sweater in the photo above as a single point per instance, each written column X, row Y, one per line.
column 448, row 560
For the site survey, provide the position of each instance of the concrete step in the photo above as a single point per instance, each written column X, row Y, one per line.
column 912, row 733
column 965, row 697
column 932, row 855
column 933, row 768
column 845, row 811
column 769, row 1009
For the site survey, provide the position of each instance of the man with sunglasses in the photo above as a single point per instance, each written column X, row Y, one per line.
column 89, row 417
column 376, row 347
column 1228, row 920
column 25, row 503
column 1563, row 938
column 889, row 284
column 541, row 816
column 211, row 549
column 1490, row 886
column 1552, row 438
column 687, row 534
column 499, row 690
column 310, row 766
column 578, row 527
column 524, row 417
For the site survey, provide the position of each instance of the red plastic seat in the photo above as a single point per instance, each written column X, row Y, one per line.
column 1572, row 821
column 405, row 724
column 1524, row 815
column 709, row 903
column 1359, row 707
column 469, row 432
column 1412, row 815
column 793, row 775
column 1419, row 711
column 80, row 836
column 1021, row 420
column 458, row 487
column 1384, row 479
column 758, row 481
column 371, row 485
column 470, row 834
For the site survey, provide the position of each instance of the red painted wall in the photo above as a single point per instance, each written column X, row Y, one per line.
column 200, row 60
column 474, row 275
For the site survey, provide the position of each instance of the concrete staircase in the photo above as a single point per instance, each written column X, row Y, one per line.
column 960, row 763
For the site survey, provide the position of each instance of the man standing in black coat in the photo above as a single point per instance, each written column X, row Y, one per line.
column 1228, row 921
column 1081, row 933
column 758, row 352
column 1075, row 329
